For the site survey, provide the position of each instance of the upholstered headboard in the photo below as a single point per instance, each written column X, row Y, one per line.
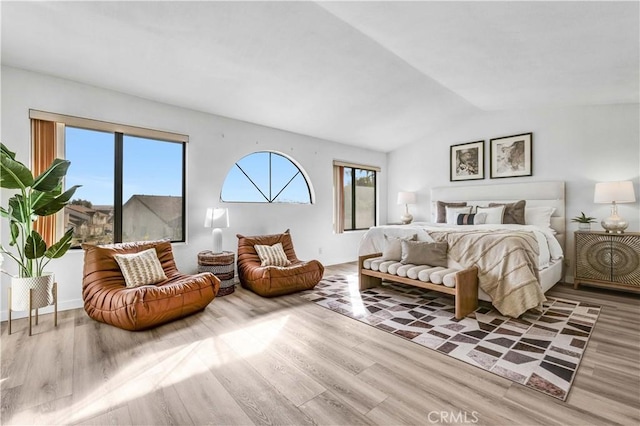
column 535, row 193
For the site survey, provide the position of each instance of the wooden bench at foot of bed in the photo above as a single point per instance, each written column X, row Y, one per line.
column 465, row 290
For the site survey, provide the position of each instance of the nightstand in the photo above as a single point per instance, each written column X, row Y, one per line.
column 608, row 260
column 222, row 265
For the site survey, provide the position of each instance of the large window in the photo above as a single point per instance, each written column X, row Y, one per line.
column 132, row 185
column 266, row 177
column 355, row 197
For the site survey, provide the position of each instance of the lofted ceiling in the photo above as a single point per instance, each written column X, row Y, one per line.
column 372, row 74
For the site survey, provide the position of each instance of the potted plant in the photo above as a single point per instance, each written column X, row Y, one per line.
column 35, row 197
column 584, row 221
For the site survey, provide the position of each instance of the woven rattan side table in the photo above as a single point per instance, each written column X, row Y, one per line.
column 222, row 266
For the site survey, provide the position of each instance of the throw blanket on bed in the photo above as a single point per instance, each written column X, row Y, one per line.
column 507, row 263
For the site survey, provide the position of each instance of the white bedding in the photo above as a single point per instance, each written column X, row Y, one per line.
column 373, row 240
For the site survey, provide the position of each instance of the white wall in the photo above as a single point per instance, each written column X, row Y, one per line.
column 580, row 146
column 215, row 144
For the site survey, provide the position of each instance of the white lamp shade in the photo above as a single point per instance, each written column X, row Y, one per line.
column 216, row 218
column 406, row 197
column 620, row 192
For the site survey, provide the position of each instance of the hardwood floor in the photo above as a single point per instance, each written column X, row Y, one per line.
column 250, row 360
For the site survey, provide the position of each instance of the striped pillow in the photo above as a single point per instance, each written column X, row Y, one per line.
column 141, row 268
column 472, row 219
column 272, row 255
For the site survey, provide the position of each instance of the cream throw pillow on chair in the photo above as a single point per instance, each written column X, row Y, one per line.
column 272, row 255
column 141, row 268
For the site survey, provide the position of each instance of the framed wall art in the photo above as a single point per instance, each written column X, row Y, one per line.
column 467, row 161
column 511, row 156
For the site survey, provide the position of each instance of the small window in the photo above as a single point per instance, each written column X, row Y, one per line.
column 266, row 177
column 355, row 192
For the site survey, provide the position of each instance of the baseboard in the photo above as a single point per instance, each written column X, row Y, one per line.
column 64, row 306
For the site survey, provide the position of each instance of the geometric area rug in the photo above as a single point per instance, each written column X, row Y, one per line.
column 541, row 349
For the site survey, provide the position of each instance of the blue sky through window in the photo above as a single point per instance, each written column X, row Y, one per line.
column 150, row 167
column 285, row 185
column 91, row 156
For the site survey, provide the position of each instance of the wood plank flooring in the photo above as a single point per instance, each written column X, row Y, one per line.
column 286, row 361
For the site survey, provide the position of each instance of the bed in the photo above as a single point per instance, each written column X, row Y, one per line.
column 512, row 295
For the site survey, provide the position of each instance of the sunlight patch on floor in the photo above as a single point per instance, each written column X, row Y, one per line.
column 355, row 297
column 253, row 339
column 142, row 376
column 154, row 371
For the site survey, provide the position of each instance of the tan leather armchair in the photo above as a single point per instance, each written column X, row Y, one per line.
column 106, row 299
column 269, row 281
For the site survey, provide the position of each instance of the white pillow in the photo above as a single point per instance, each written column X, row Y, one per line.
column 141, row 268
column 453, row 212
column 494, row 214
column 538, row 216
column 272, row 255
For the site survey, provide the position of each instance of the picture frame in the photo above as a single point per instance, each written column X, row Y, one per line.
column 511, row 156
column 466, row 161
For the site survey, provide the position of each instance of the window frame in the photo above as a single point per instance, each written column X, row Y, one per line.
column 119, row 131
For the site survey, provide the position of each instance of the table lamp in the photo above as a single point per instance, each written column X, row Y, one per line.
column 614, row 192
column 217, row 218
column 406, row 198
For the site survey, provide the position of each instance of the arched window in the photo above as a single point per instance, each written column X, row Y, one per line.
column 266, row 177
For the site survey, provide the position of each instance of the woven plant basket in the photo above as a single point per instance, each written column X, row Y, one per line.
column 42, row 292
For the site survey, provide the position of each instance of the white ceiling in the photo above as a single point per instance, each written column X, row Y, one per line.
column 376, row 74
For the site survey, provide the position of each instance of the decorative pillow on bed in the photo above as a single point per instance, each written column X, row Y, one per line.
column 539, row 216
column 141, row 268
column 424, row 253
column 393, row 247
column 453, row 212
column 513, row 212
column 494, row 214
column 272, row 255
column 441, row 216
column 472, row 219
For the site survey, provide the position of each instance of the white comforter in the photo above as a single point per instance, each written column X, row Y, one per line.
column 373, row 239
